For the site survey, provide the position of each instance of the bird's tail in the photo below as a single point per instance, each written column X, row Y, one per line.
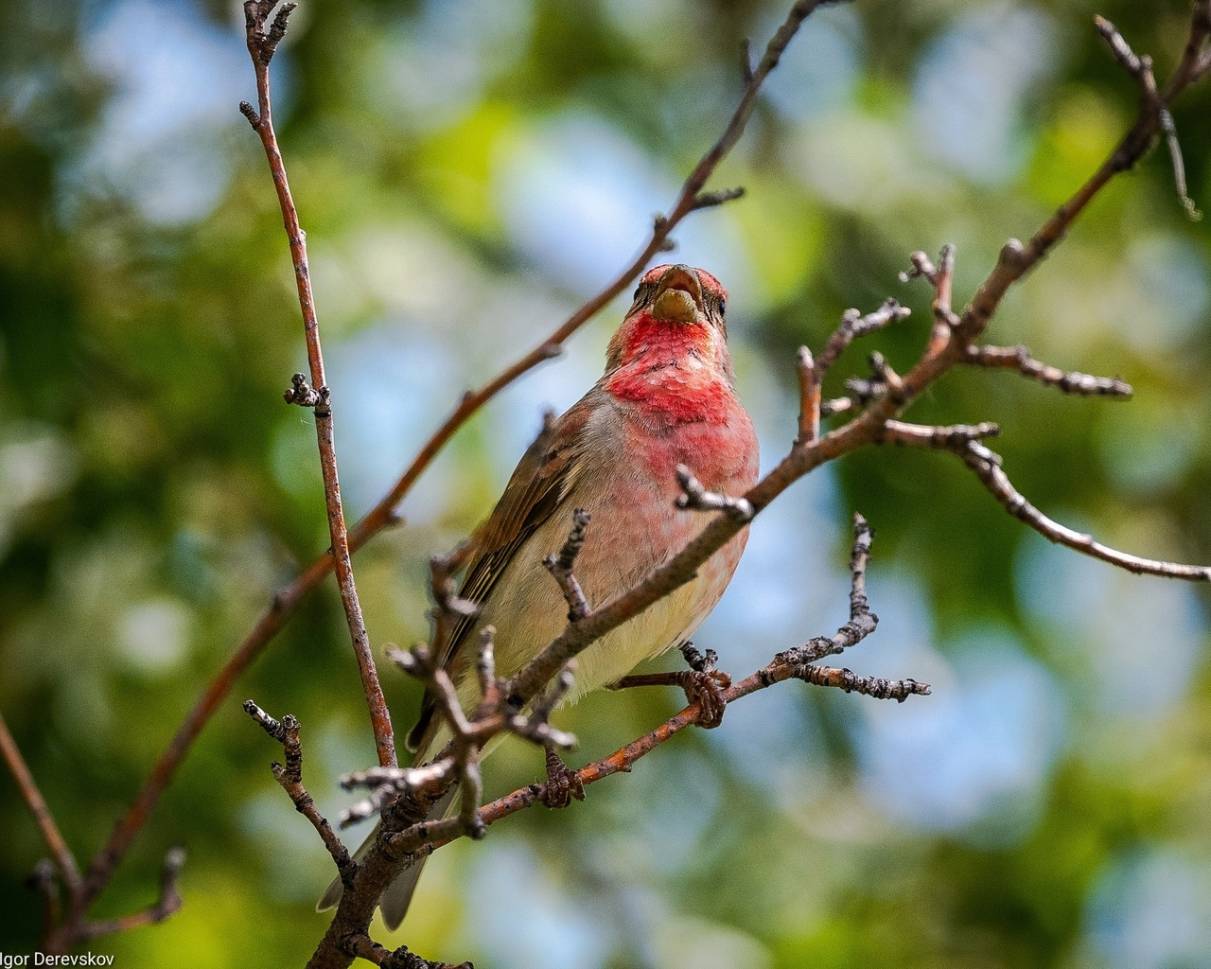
column 398, row 895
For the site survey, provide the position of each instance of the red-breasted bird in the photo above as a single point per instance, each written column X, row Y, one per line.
column 667, row 397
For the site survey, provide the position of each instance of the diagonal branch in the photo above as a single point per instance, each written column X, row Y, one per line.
column 64, row 860
column 290, row 777
column 987, row 466
column 1141, row 69
column 795, row 663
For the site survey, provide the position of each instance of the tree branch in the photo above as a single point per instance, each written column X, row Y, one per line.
column 987, row 466
column 263, row 38
column 290, row 777
column 167, row 904
column 1069, row 382
column 795, row 663
column 65, row 861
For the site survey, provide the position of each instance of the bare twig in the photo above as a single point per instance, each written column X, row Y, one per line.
column 263, row 38
column 290, row 777
column 947, row 436
column 44, row 880
column 65, row 861
column 695, row 496
column 872, row 686
column 862, row 621
column 363, row 947
column 810, row 407
column 1141, row 69
column 1069, row 382
column 795, row 663
column 168, row 903
column 987, row 466
column 853, row 325
column 560, row 566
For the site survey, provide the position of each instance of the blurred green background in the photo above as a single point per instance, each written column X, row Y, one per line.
column 469, row 171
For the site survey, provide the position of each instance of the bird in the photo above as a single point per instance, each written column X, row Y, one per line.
column 667, row 398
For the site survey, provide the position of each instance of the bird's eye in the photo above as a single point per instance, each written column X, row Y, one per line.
column 637, row 289
column 722, row 307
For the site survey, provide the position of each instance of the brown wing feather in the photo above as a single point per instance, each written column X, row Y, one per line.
column 541, row 481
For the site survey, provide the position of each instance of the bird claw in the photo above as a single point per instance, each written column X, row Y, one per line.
column 563, row 784
column 704, row 685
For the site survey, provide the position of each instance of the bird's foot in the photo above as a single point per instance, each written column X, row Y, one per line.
column 563, row 784
column 704, row 684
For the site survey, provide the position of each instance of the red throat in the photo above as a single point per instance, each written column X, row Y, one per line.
column 677, row 372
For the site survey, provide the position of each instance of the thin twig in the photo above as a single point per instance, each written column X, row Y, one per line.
column 560, row 566
column 872, row 686
column 169, row 902
column 263, row 38
column 64, row 860
column 290, row 777
column 795, row 663
column 694, row 496
column 810, row 407
column 1067, row 381
column 987, row 466
column 1141, row 69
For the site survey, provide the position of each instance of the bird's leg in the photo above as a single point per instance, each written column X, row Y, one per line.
column 702, row 682
column 563, row 784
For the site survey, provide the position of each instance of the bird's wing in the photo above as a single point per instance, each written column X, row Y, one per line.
column 542, row 481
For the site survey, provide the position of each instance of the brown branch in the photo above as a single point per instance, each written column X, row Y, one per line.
column 263, row 38
column 560, row 566
column 290, row 777
column 862, row 621
column 168, row 903
column 1141, row 69
column 872, row 686
column 44, row 880
column 363, row 947
column 65, row 861
column 694, row 496
column 987, row 466
column 946, row 437
column 811, row 408
column 1067, row 381
column 1014, row 261
column 854, row 325
column 795, row 663
column 1017, row 259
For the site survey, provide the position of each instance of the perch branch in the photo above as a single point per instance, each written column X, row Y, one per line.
column 940, row 356
column 796, row 663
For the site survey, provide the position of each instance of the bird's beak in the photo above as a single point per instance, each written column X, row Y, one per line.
column 678, row 296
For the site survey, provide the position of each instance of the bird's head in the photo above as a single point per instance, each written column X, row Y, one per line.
column 675, row 306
